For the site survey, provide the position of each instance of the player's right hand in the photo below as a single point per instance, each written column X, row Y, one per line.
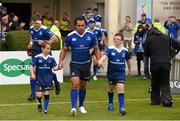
column 30, row 45
column 99, row 63
column 61, row 65
column 33, row 76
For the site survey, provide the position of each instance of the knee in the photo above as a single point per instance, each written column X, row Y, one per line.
column 75, row 86
column 111, row 89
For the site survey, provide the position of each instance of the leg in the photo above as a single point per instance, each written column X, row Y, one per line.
column 74, row 91
column 146, row 67
column 111, row 88
column 95, row 67
column 82, row 92
column 33, row 90
column 120, row 90
column 39, row 97
column 46, row 101
column 155, row 84
column 130, row 47
column 138, row 63
column 165, row 88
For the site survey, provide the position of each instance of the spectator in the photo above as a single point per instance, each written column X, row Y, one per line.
column 157, row 47
column 127, row 30
column 14, row 25
column 88, row 18
column 138, row 49
column 159, row 26
column 47, row 20
column 172, row 26
column 65, row 25
column 55, row 30
column 96, row 16
column 88, row 10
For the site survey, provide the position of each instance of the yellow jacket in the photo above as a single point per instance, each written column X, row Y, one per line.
column 47, row 23
column 57, row 33
column 160, row 27
column 64, row 25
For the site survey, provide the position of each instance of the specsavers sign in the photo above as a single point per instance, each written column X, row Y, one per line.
column 15, row 69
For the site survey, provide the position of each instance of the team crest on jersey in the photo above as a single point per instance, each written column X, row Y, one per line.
column 96, row 32
column 31, row 32
column 49, row 61
column 74, row 39
column 40, row 61
column 40, row 33
column 88, row 38
column 113, row 53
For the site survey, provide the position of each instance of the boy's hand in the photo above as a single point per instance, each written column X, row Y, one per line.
column 61, row 65
column 129, row 73
column 33, row 76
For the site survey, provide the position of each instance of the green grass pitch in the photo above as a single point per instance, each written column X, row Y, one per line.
column 13, row 103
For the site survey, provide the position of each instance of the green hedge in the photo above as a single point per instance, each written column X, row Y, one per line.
column 18, row 41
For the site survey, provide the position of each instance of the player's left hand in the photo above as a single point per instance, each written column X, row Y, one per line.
column 33, row 76
column 129, row 73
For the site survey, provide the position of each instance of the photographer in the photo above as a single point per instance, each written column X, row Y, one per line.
column 157, row 47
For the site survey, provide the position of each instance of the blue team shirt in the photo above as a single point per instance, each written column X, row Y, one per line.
column 97, row 18
column 103, row 31
column 97, row 32
column 172, row 29
column 44, row 66
column 116, row 61
column 80, row 45
column 138, row 37
column 43, row 33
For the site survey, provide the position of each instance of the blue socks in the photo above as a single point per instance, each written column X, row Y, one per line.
column 74, row 97
column 46, row 101
column 110, row 96
column 121, row 100
column 33, row 87
column 95, row 67
column 82, row 95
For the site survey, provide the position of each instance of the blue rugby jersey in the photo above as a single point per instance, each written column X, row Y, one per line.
column 104, row 32
column 97, row 18
column 80, row 45
column 44, row 66
column 116, row 61
column 43, row 33
column 97, row 32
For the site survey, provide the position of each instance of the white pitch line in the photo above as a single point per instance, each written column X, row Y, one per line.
column 54, row 103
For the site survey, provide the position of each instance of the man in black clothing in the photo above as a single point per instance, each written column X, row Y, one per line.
column 157, row 47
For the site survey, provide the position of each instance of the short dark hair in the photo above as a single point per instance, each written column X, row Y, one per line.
column 95, row 9
column 79, row 19
column 120, row 35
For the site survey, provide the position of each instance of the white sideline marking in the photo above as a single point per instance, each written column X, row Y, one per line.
column 53, row 103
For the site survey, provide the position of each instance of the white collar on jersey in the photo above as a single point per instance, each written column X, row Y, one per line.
column 118, row 49
column 41, row 55
column 82, row 34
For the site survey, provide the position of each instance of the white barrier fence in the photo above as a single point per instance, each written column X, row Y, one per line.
column 175, row 75
column 14, row 67
column 175, row 69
